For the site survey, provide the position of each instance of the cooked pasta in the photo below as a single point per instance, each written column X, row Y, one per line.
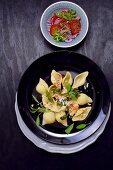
column 84, row 99
column 56, row 78
column 67, row 79
column 80, row 79
column 61, row 118
column 53, row 106
column 81, row 114
column 62, row 100
column 42, row 86
column 73, row 107
column 48, row 118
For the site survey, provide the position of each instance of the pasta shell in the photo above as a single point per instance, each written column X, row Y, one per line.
column 81, row 114
column 59, row 116
column 52, row 89
column 60, row 108
column 84, row 99
column 80, row 79
column 42, row 86
column 64, row 91
column 49, row 105
column 56, row 79
column 52, row 106
column 67, row 79
column 48, row 118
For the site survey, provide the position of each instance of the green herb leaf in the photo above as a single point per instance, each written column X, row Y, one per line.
column 33, row 110
column 68, row 16
column 69, row 128
column 68, row 87
column 42, row 109
column 59, row 38
column 38, row 120
column 35, row 99
column 81, row 126
column 72, row 11
column 76, row 92
column 72, row 95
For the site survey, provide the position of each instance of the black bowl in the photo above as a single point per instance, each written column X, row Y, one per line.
column 75, row 63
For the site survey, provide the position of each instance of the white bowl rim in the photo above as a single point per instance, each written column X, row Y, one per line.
column 66, row 46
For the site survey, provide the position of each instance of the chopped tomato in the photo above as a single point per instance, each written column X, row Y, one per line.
column 54, row 28
column 75, row 26
column 62, row 21
column 53, row 19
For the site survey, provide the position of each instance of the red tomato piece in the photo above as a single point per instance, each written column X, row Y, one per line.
column 53, row 19
column 54, row 28
column 75, row 26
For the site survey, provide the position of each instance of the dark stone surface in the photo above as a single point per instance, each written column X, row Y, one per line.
column 21, row 42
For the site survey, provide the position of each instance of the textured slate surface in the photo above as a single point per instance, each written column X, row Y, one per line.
column 21, row 42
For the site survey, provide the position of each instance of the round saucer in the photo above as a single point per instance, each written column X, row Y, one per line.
column 55, row 7
column 55, row 148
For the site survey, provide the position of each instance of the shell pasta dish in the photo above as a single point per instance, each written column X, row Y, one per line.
column 62, row 101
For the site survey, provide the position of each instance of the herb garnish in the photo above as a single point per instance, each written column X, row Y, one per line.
column 67, row 15
column 58, row 37
column 33, row 110
column 69, row 128
column 72, row 93
column 38, row 120
column 68, row 87
column 42, row 109
column 35, row 99
column 38, row 108
column 81, row 126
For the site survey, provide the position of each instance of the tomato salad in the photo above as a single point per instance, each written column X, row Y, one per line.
column 64, row 25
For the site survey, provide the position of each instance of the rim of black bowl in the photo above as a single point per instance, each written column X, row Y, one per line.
column 68, row 61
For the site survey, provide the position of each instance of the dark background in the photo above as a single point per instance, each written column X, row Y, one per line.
column 21, row 42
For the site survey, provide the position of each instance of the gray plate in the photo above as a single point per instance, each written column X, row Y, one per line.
column 61, row 6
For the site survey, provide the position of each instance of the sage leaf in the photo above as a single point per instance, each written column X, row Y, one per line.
column 38, row 121
column 42, row 109
column 68, row 87
column 81, row 126
column 72, row 95
column 69, row 128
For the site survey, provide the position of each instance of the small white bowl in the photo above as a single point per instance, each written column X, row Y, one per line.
column 61, row 6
